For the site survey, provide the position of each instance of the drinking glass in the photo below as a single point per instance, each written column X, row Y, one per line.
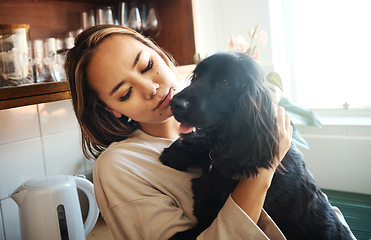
column 134, row 19
column 152, row 26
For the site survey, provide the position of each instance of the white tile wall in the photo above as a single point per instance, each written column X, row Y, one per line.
column 20, row 161
column 63, row 153
column 57, row 117
column 19, row 124
column 89, row 165
column 12, row 226
column 36, row 140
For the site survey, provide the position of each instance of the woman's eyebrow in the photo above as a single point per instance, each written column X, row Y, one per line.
column 137, row 58
column 117, row 87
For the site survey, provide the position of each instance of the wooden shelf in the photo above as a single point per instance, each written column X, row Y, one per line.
column 18, row 96
column 11, row 97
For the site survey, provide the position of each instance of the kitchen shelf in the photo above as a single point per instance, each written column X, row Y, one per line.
column 18, row 96
column 11, row 97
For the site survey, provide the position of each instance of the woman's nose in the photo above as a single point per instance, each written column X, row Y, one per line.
column 149, row 89
column 154, row 90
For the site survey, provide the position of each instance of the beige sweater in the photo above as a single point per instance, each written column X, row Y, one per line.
column 140, row 198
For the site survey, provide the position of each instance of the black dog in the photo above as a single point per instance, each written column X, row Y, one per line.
column 231, row 108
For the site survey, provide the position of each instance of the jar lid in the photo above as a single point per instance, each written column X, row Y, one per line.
column 12, row 26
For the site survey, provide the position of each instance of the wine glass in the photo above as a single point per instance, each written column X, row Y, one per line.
column 152, row 26
column 134, row 19
column 108, row 16
column 91, row 19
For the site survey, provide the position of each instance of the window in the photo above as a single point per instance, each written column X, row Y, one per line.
column 327, row 51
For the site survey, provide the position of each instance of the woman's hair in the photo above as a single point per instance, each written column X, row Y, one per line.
column 99, row 127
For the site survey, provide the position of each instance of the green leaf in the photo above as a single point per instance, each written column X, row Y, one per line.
column 298, row 139
column 304, row 115
column 248, row 51
column 196, row 58
column 275, row 79
column 272, row 88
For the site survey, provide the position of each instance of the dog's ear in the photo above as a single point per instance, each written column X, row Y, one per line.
column 243, row 88
column 250, row 137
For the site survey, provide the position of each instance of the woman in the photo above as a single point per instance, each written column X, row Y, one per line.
column 121, row 84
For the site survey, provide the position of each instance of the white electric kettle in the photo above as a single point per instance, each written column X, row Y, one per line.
column 49, row 208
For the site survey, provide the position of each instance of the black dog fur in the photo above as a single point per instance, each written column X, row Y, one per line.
column 230, row 105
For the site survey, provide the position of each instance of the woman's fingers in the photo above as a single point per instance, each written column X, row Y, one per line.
column 285, row 131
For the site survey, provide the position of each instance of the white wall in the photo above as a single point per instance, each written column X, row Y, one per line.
column 216, row 19
column 340, row 154
column 36, row 140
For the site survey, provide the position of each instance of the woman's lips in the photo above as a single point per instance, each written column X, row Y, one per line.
column 165, row 100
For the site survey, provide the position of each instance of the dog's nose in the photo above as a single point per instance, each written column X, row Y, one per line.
column 179, row 105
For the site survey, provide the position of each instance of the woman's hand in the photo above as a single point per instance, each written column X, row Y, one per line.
column 250, row 193
column 285, row 131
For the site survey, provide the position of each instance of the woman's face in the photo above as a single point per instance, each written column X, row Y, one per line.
column 132, row 79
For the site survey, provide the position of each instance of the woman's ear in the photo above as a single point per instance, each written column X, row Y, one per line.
column 115, row 113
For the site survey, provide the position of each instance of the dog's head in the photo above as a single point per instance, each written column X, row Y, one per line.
column 215, row 87
column 228, row 97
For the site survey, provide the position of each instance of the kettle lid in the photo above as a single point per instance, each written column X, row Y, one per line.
column 44, row 182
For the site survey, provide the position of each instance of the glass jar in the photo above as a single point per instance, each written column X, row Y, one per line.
column 15, row 55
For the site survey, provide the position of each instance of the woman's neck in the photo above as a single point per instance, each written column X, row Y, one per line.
column 167, row 129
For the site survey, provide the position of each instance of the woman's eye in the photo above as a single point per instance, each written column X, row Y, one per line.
column 225, row 82
column 126, row 96
column 148, row 67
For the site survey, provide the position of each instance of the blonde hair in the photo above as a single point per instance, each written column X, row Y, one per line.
column 99, row 127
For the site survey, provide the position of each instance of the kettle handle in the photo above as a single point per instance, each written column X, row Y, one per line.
column 88, row 188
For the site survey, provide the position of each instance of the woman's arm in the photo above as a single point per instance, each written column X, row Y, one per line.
column 250, row 193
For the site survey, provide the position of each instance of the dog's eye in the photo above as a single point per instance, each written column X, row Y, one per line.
column 194, row 77
column 225, row 82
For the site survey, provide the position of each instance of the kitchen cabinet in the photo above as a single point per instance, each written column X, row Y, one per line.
column 49, row 18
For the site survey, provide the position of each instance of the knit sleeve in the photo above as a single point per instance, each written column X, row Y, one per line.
column 233, row 223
